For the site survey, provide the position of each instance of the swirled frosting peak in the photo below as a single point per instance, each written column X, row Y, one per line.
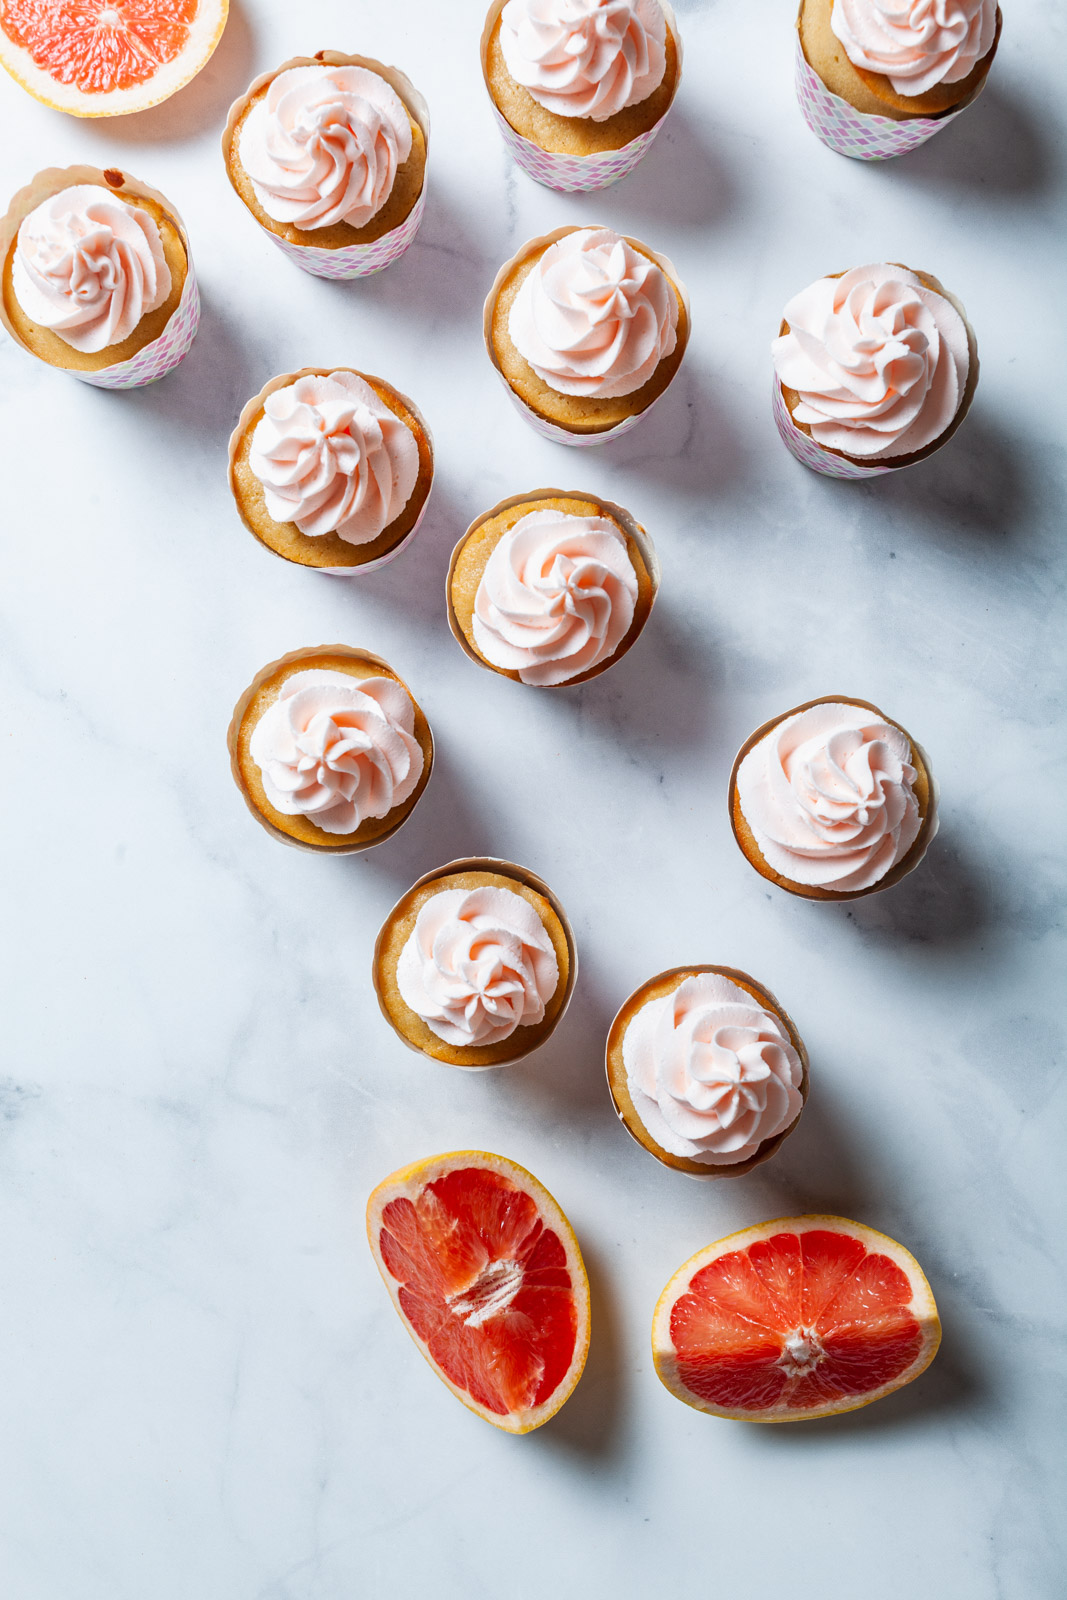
column 594, row 316
column 556, row 598
column 711, row 1073
column 879, row 361
column 477, row 965
column 88, row 266
column 337, row 749
column 829, row 796
column 323, row 146
column 333, row 458
column 916, row 44
column 585, row 58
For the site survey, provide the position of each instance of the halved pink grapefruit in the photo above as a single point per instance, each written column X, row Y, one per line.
column 794, row 1319
column 102, row 58
column 486, row 1274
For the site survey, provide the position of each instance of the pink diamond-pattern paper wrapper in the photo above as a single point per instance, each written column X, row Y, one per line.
column 575, row 174
column 356, row 260
column 855, row 133
column 558, row 435
column 164, row 353
column 810, row 454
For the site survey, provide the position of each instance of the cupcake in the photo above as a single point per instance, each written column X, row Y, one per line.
column 97, row 277
column 832, row 800
column 706, row 1071
column 877, row 78
column 580, row 88
column 331, row 468
column 586, row 329
column 329, row 749
column 875, row 369
column 329, row 155
column 475, row 965
column 551, row 588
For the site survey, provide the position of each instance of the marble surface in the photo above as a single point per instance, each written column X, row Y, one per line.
column 205, row 1390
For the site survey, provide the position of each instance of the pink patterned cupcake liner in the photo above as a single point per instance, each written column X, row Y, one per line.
column 164, row 353
column 575, row 174
column 558, row 435
column 810, row 454
column 856, row 133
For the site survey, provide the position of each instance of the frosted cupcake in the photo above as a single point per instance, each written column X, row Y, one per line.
column 875, row 369
column 329, row 749
column 706, row 1071
column 877, row 78
column 586, row 328
column 331, row 469
column 475, row 965
column 551, row 588
column 329, row 155
column 580, row 88
column 97, row 277
column 832, row 800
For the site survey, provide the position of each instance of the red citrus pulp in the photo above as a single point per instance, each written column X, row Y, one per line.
column 794, row 1319
column 486, row 1273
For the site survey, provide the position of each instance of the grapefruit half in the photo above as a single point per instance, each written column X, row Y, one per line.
column 795, row 1319
column 486, row 1274
column 102, row 58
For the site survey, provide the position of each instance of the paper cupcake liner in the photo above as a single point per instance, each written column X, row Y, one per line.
column 153, row 360
column 702, row 1170
column 900, row 869
column 541, row 425
column 574, row 174
column 354, row 260
column 626, row 520
column 857, row 133
column 249, row 410
column 291, row 658
column 524, row 876
column 810, row 453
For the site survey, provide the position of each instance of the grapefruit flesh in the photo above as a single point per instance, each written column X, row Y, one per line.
column 107, row 57
column 793, row 1320
column 486, row 1273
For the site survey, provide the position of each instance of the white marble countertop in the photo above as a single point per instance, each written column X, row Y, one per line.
column 205, row 1390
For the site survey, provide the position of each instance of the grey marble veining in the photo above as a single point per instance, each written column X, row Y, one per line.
column 206, row 1393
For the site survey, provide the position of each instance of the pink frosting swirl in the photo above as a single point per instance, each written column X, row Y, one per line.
column 585, row 58
column 594, row 316
column 711, row 1073
column 333, row 458
column 829, row 796
column 557, row 596
column 337, row 749
column 89, row 266
column 879, row 360
column 323, row 145
column 477, row 965
column 916, row 44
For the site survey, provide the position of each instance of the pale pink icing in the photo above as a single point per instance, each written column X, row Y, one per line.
column 829, row 796
column 711, row 1072
column 916, row 44
column 556, row 598
column 323, row 146
column 89, row 266
column 879, row 360
column 333, row 458
column 477, row 965
column 594, row 316
column 337, row 749
column 585, row 58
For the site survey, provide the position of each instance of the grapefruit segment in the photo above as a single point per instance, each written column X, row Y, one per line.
column 102, row 58
column 485, row 1271
column 795, row 1319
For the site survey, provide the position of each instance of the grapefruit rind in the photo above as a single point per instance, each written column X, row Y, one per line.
column 922, row 1307
column 205, row 31
column 409, row 1182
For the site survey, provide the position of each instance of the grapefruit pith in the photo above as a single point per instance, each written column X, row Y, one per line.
column 795, row 1319
column 486, row 1274
column 102, row 58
